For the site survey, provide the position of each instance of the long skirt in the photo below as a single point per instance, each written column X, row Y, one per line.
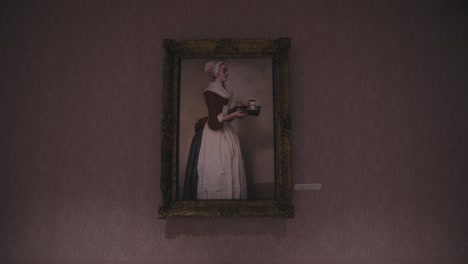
column 220, row 167
column 191, row 173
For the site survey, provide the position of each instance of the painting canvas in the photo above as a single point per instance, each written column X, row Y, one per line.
column 249, row 79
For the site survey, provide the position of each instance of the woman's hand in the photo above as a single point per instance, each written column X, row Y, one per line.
column 235, row 114
column 239, row 114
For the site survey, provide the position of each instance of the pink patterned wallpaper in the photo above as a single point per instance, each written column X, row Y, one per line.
column 379, row 105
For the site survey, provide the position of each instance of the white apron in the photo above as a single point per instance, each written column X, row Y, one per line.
column 220, row 167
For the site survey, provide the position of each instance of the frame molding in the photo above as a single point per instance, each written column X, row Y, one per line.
column 175, row 51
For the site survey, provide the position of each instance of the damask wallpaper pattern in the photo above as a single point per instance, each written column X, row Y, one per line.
column 378, row 93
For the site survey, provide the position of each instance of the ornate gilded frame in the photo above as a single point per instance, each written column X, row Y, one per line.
column 175, row 51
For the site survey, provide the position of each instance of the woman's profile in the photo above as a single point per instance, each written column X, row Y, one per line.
column 215, row 166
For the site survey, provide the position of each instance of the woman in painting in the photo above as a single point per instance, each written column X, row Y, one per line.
column 215, row 167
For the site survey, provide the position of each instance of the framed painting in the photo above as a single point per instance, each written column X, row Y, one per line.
column 226, row 124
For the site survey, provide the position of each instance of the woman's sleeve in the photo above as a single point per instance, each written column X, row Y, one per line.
column 215, row 109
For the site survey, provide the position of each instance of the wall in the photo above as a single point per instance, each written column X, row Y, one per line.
column 378, row 92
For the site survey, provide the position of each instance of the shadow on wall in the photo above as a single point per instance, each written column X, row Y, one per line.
column 216, row 227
